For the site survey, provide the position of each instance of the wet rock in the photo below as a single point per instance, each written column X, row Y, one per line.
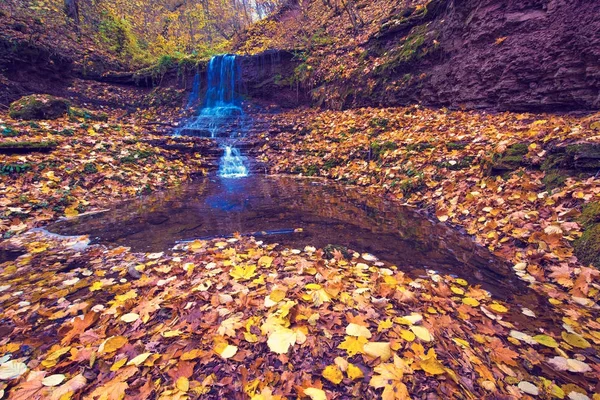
column 133, row 273
column 38, row 106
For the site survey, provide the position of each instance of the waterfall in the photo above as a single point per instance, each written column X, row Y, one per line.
column 221, row 116
column 232, row 164
column 195, row 93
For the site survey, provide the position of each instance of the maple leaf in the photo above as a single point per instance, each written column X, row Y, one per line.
column 502, row 354
column 281, row 339
column 562, row 275
column 389, row 377
column 79, row 325
column 230, row 325
column 353, row 345
column 242, row 273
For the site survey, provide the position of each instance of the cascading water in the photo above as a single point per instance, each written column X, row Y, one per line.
column 232, row 164
column 195, row 93
column 222, row 116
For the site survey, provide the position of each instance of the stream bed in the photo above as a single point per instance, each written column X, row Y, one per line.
column 296, row 213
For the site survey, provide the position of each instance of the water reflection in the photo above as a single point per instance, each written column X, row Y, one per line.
column 326, row 214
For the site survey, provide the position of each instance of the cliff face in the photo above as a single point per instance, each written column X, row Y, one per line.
column 514, row 54
column 270, row 77
column 535, row 55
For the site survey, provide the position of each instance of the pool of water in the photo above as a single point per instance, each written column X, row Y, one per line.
column 295, row 213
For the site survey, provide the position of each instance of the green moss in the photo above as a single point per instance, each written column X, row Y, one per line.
column 411, row 185
column 419, row 146
column 8, row 131
column 455, row 145
column 513, row 158
column 16, row 168
column 311, row 170
column 36, row 107
column 587, row 247
column 379, row 122
column 464, row 162
column 414, row 47
column 88, row 114
column 26, row 145
column 554, row 161
column 136, row 156
column 590, row 215
column 517, row 149
column 90, row 168
column 331, row 163
column 554, row 179
column 378, row 149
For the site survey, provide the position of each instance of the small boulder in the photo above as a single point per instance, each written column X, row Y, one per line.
column 88, row 114
column 38, row 106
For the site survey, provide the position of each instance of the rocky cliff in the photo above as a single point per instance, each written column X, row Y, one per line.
column 535, row 55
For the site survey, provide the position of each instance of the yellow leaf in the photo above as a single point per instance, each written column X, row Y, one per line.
column 461, row 282
column 353, row 345
column 225, row 350
column 118, row 364
column 431, row 365
column 183, row 384
column 139, row 359
column 384, row 325
column 315, row 394
column 333, row 374
column 277, row 295
column 265, row 261
column 191, row 355
column 281, row 339
column 112, row 344
column 382, row 350
column 242, row 273
column 546, row 341
column 470, row 301
column 499, row 308
column 461, row 342
column 422, row 333
column 357, row 330
column 96, row 286
column 457, row 290
column 575, row 340
column 407, row 335
column 354, row 372
column 71, row 212
column 170, row 334
column 411, row 319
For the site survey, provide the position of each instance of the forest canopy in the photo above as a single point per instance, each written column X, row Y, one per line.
column 142, row 31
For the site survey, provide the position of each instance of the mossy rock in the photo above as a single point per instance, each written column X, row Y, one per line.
column 576, row 156
column 590, row 215
column 88, row 114
column 512, row 159
column 38, row 106
column 554, row 179
column 26, row 147
column 587, row 247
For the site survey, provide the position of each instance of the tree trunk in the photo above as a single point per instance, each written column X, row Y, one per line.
column 72, row 11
